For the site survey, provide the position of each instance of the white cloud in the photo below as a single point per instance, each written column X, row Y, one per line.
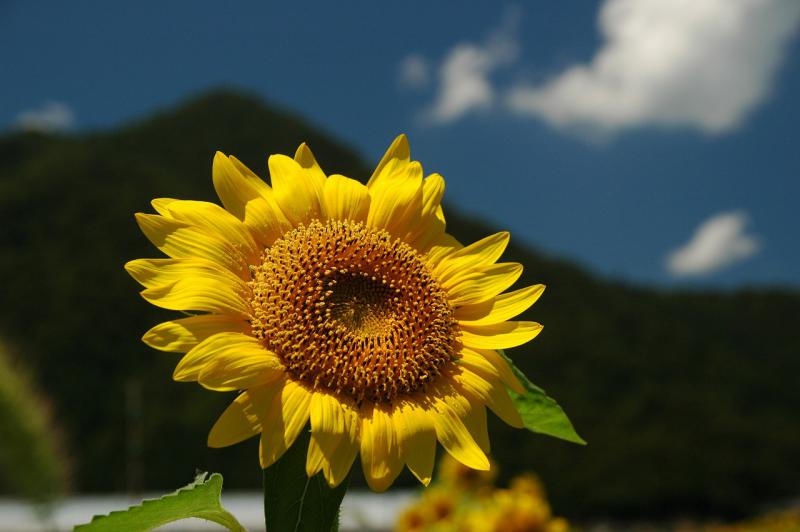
column 463, row 75
column 414, row 72
column 718, row 242
column 49, row 118
column 699, row 63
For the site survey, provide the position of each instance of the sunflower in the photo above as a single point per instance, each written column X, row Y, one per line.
column 457, row 476
column 345, row 305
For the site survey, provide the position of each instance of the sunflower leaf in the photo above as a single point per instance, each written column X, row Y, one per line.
column 540, row 412
column 293, row 502
column 199, row 499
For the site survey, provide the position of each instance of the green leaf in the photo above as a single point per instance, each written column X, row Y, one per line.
column 199, row 499
column 293, row 502
column 539, row 412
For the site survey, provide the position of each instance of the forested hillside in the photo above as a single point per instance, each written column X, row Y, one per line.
column 689, row 401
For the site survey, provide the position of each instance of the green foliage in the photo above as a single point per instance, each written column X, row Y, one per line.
column 539, row 412
column 688, row 399
column 31, row 464
column 200, row 499
column 293, row 502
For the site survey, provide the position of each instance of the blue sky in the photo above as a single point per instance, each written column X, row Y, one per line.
column 651, row 141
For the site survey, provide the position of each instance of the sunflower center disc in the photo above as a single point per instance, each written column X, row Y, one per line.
column 352, row 310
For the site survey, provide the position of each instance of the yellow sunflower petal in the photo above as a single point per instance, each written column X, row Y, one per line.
column 181, row 240
column 417, row 440
column 287, row 417
column 338, row 465
column 488, row 362
column 501, row 308
column 242, row 419
column 448, row 411
column 492, row 393
column 160, row 205
column 482, row 252
column 233, row 188
column 499, row 335
column 298, row 192
column 431, row 226
column 440, row 214
column 394, row 161
column 295, row 401
column 308, row 163
column 432, row 192
column 183, row 334
column 267, row 212
column 426, row 238
column 327, row 429
column 152, row 273
column 481, row 283
column 251, row 177
column 219, row 222
column 265, row 220
column 346, row 199
column 380, row 453
column 240, row 370
column 477, row 424
column 456, row 439
column 440, row 248
column 315, row 457
column 396, row 201
column 327, row 416
column 226, row 355
column 191, row 284
column 205, row 294
column 248, row 198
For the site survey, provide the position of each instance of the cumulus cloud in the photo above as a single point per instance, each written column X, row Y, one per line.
column 463, row 75
column 51, row 117
column 698, row 63
column 414, row 72
column 718, row 242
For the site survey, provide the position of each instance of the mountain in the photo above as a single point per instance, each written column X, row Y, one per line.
column 688, row 400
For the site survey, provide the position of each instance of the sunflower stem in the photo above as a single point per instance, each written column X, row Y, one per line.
column 293, row 502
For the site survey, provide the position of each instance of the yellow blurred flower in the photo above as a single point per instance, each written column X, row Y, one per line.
column 511, row 511
column 345, row 304
column 455, row 474
column 413, row 519
column 440, row 505
column 528, row 484
column 435, row 510
column 457, row 503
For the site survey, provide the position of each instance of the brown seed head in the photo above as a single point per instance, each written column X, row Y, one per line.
column 352, row 310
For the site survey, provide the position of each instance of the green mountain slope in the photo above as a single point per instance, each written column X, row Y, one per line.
column 689, row 401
